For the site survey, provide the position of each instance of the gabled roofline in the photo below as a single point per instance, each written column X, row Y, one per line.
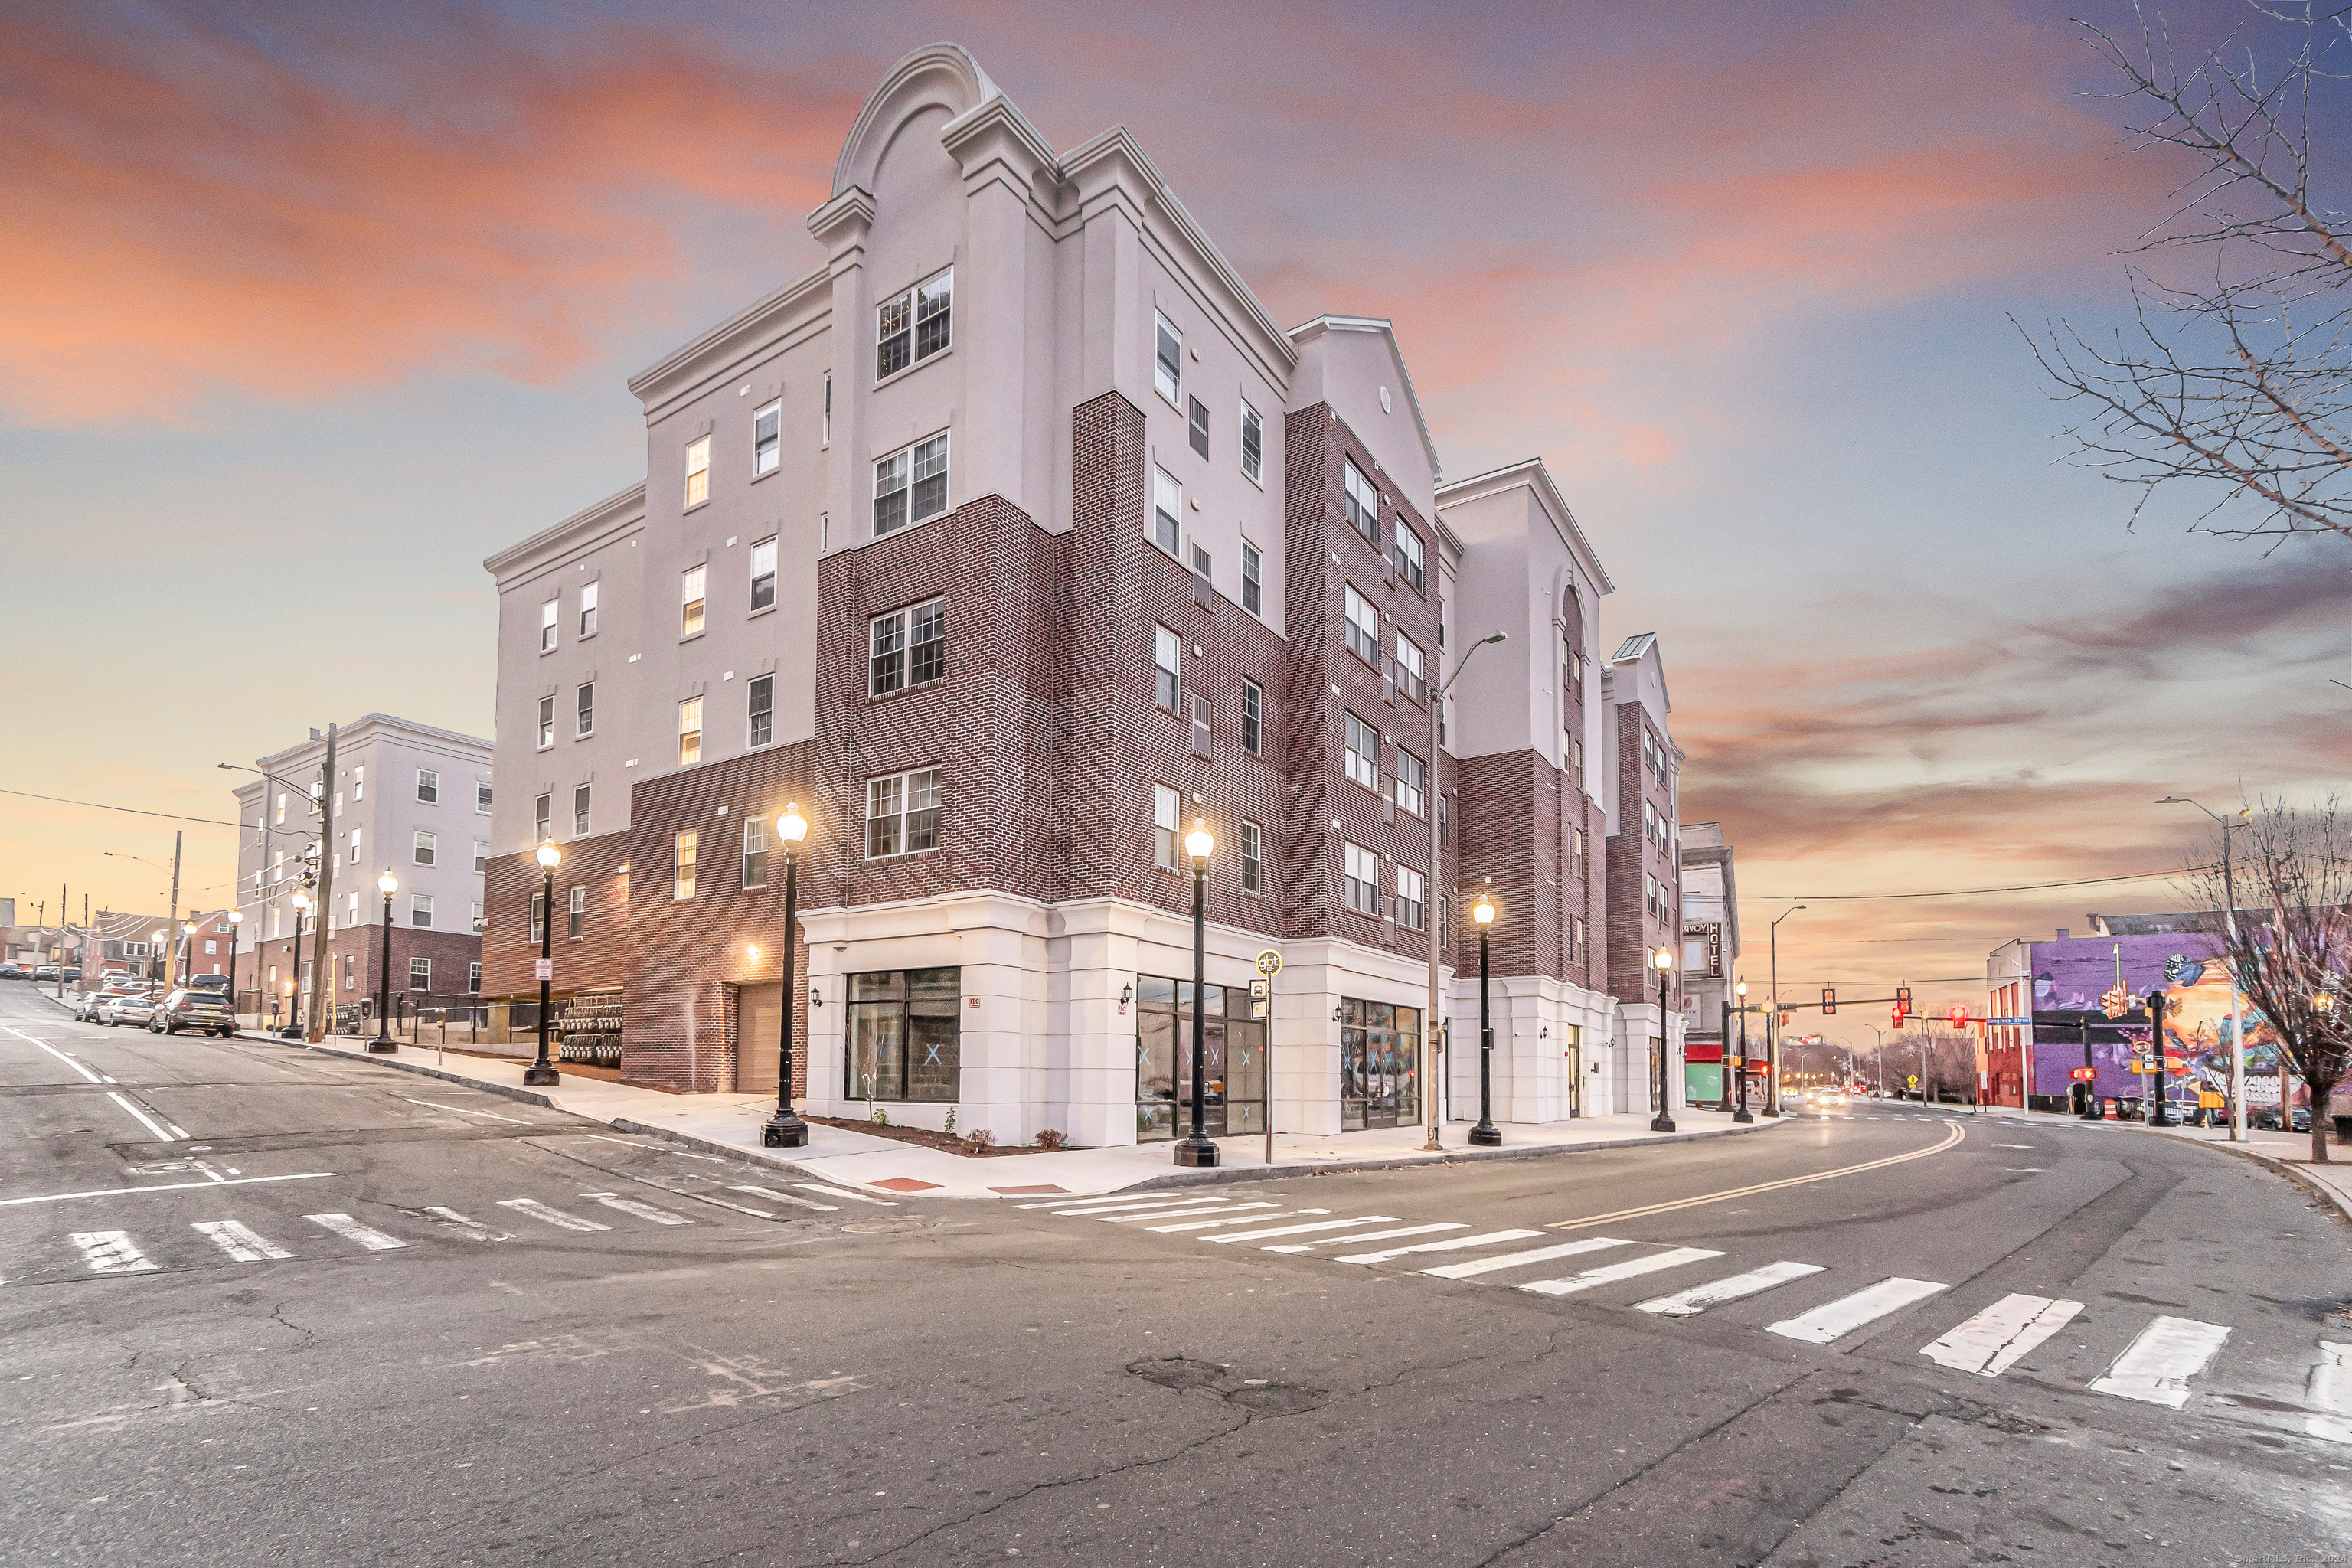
column 762, row 312
column 1572, row 535
column 581, row 523
column 952, row 57
column 1316, row 325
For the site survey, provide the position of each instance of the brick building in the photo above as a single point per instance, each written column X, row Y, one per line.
column 1644, row 874
column 1710, row 959
column 1007, row 544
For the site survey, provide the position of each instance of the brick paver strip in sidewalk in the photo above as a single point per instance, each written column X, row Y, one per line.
column 904, row 1184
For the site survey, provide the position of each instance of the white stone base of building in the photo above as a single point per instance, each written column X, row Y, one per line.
column 1555, row 1049
column 1636, row 1065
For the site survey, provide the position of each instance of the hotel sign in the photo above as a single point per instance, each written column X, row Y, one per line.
column 1711, row 932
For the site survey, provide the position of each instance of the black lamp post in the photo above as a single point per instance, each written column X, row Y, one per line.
column 2090, row 1084
column 2159, row 1110
column 1194, row 1149
column 293, row 1029
column 541, row 1073
column 235, row 919
column 1663, row 1121
column 785, row 1130
column 1739, row 1062
column 383, row 1042
column 1485, row 1135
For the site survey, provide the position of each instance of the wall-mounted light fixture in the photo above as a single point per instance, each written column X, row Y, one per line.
column 1544, row 1033
column 1334, row 1013
column 816, row 1000
column 752, row 953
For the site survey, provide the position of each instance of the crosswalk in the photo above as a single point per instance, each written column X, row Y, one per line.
column 2158, row 1365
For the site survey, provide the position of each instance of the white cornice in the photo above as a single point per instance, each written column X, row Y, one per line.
column 384, row 727
column 951, row 60
column 1386, row 328
column 1532, row 472
column 616, row 514
column 804, row 301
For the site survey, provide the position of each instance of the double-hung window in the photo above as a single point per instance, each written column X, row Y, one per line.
column 481, row 799
column 1196, row 420
column 420, row 974
column 420, row 911
column 763, row 574
column 1412, row 899
column 1167, row 509
column 356, row 846
column 481, row 857
column 1408, row 668
column 1363, row 626
column 542, row 819
column 1167, row 661
column 911, row 485
column 1363, row 880
column 1163, row 828
column 691, row 583
column 1253, row 717
column 681, row 862
column 1649, row 823
column 1168, row 362
column 902, row 813
column 1362, row 760
column 1408, row 555
column 755, row 852
column 767, row 438
column 588, row 609
column 548, row 612
column 1361, row 502
column 359, row 783
column 428, row 786
column 1253, row 580
column 581, row 796
column 913, row 326
column 424, row 850
column 698, row 470
column 1412, row 781
column 906, row 648
column 538, row 917
column 578, row 925
column 762, row 690
column 1253, row 859
column 583, row 719
column 689, row 731
column 1252, row 442
column 474, row 978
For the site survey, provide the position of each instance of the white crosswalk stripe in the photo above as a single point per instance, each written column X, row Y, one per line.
column 1242, row 1220
column 771, row 1193
column 2329, row 1394
column 1303, row 1229
column 472, row 1230
column 1357, row 1238
column 2156, row 1367
column 643, row 1211
column 1610, row 1273
column 1111, row 1205
column 344, row 1225
column 1177, row 1214
column 2002, row 1335
column 240, row 1242
column 546, row 1216
column 1479, row 1266
column 1699, row 1298
column 110, row 1252
column 1837, row 1319
column 1450, row 1243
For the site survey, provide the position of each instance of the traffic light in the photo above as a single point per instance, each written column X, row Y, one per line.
column 1829, row 1001
column 1960, row 1016
column 1898, row 1015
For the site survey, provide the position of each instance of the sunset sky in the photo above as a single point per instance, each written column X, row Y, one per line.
column 307, row 309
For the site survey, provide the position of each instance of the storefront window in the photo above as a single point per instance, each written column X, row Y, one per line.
column 903, row 1035
column 1233, row 1051
column 1380, row 1065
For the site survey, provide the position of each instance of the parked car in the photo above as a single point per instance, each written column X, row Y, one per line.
column 45, row 972
column 125, row 1007
column 70, row 972
column 192, row 1008
column 85, row 1003
column 11, row 971
column 2267, row 1117
column 208, row 982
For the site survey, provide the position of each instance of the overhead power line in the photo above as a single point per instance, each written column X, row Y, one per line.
column 1965, row 893
column 134, row 811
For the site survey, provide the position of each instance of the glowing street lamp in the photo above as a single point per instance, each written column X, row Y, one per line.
column 387, row 885
column 1664, row 961
column 1195, row 1150
column 785, row 1130
column 541, row 1073
column 1485, row 1135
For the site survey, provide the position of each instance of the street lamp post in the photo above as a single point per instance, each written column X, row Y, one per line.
column 2159, row 1111
column 1434, row 794
column 541, row 1073
column 236, row 920
column 1739, row 1062
column 1771, row 1022
column 785, row 1130
column 2091, row 1084
column 294, row 993
column 1663, row 1121
column 383, row 1042
column 2237, row 1003
column 1196, row 1150
column 1485, row 1135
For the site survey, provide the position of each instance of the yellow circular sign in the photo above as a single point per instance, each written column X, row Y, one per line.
column 1269, row 964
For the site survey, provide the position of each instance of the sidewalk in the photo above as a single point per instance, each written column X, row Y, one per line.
column 2289, row 1152
column 729, row 1123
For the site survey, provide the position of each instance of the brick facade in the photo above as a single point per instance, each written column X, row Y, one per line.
column 597, row 959
column 1633, row 932
column 1520, row 817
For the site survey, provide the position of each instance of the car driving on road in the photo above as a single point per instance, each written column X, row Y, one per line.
column 192, row 1007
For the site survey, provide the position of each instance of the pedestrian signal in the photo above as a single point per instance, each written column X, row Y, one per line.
column 1829, row 1001
column 1898, row 1015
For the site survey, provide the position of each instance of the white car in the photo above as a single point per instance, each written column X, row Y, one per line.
column 86, row 1003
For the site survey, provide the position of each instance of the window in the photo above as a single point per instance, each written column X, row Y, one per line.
column 1362, row 762
column 902, row 1029
column 1253, row 717
column 827, row 436
column 1196, row 420
column 1649, row 753
column 1412, row 781
column 1408, row 555
column 1253, row 441
column 356, row 846
column 1576, row 758
column 474, row 979
column 1444, row 826
column 689, row 597
column 588, row 610
column 481, row 799
column 538, row 917
column 351, row 913
column 1580, row 934
column 1363, row 880
column 1167, row 507
column 281, row 806
column 359, row 783
column 762, row 690
column 1253, row 586
column 1412, row 899
column 681, row 875
column 907, row 648
column 763, row 574
column 1204, row 574
column 913, row 326
column 689, row 731
column 1167, row 653
column 1168, row 362
column 698, row 470
column 1253, row 859
column 576, row 923
column 910, row 486
column 424, row 850
column 767, row 438
column 902, row 813
column 584, row 717
column 481, row 857
column 1649, row 893
column 428, row 786
column 1444, row 926
column 1360, row 501
column 420, row 909
column 1408, row 668
column 543, row 817
column 1363, row 627
column 547, row 615
column 546, row 722
column 1649, row 823
column 1163, row 828
column 579, row 798
column 420, row 974
column 755, row 852
column 1579, row 851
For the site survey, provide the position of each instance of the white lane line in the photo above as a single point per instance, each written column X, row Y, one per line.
column 110, row 1252
column 1952, row 1135
column 1361, row 1236
column 2027, row 1147
column 494, row 1116
column 1180, row 1214
column 556, row 1217
column 350, row 1229
column 643, row 1211
column 1110, row 1206
column 1215, row 1224
column 178, row 1131
column 1448, row 1245
column 1610, row 1273
column 773, row 1195
column 623, row 1142
column 2329, row 1394
column 1699, row 1298
column 1998, row 1337
column 164, row 1187
column 241, row 1244
column 57, row 1053
column 837, row 1192
column 1847, row 1314
column 2156, row 1367
column 1303, row 1229
column 472, row 1230
column 1479, row 1266
column 144, row 1120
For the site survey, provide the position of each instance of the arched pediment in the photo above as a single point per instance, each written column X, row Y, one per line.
column 939, row 76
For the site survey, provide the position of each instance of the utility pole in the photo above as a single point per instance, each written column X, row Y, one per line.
column 62, row 908
column 172, row 928
column 318, row 993
column 1772, row 1022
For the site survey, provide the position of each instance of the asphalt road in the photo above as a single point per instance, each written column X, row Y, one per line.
column 349, row 1315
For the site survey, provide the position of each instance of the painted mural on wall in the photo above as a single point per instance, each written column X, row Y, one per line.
column 2069, row 979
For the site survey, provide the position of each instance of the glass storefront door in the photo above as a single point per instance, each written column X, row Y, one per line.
column 1380, row 1065
column 1233, row 1052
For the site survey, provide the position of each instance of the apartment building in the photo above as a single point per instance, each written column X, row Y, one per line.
column 407, row 798
column 1710, row 961
column 1642, row 787
column 1008, row 544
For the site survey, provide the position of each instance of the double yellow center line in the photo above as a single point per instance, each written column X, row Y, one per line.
column 1951, row 1136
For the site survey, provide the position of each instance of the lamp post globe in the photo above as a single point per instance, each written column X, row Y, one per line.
column 785, row 1130
column 1663, row 958
column 541, row 1072
column 1485, row 1135
column 387, row 885
column 1195, row 1150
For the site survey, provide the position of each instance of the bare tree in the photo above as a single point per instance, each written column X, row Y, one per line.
column 2244, row 380
column 2291, row 946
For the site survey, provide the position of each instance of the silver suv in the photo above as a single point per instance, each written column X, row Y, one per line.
column 189, row 1008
